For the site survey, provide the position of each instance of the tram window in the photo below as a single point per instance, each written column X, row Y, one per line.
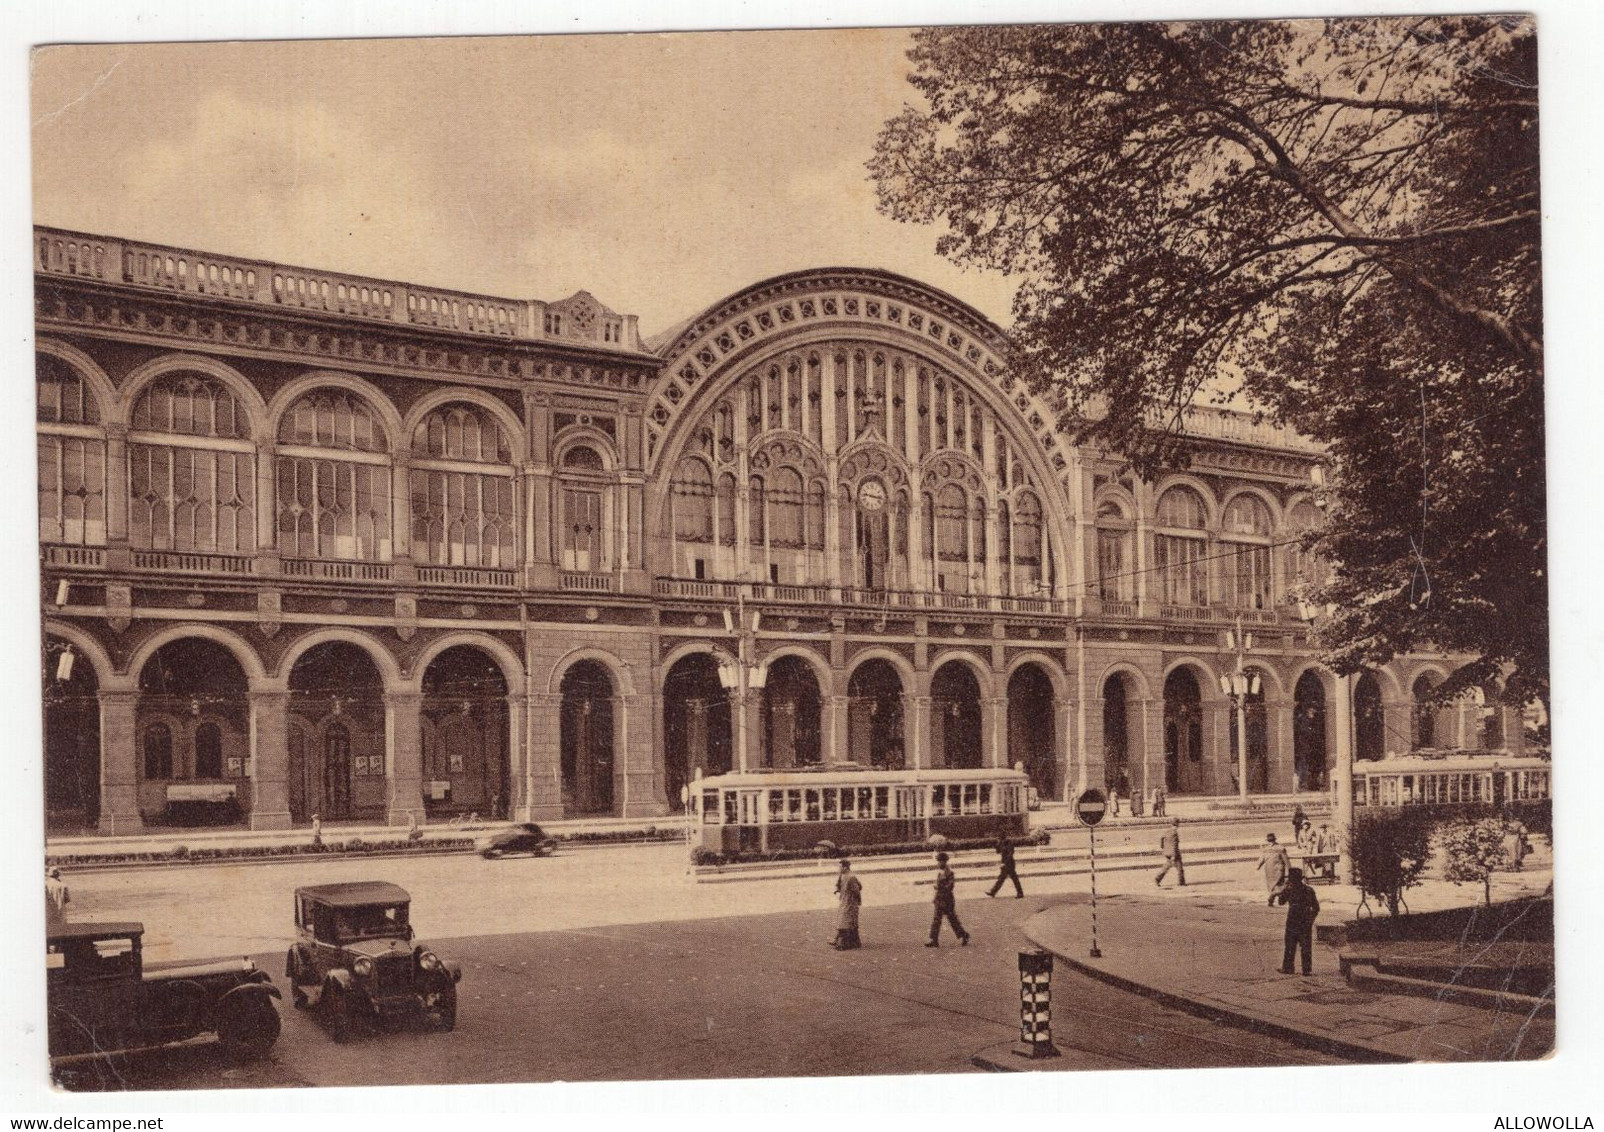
column 793, row 805
column 865, row 802
column 985, row 799
column 813, row 805
column 776, row 806
column 882, row 801
column 848, row 809
column 832, row 799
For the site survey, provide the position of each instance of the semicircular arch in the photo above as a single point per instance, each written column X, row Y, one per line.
column 251, row 664
column 512, row 669
column 111, row 406
column 385, row 661
column 142, row 376
column 105, row 672
column 399, row 439
column 1051, row 668
column 1126, row 668
column 619, row 670
column 479, row 399
column 899, row 663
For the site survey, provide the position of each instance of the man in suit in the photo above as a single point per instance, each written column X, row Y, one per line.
column 1171, row 846
column 1005, row 852
column 946, row 904
column 1302, row 908
column 1275, row 863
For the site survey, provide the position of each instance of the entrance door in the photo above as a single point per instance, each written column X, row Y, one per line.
column 582, row 525
column 337, row 772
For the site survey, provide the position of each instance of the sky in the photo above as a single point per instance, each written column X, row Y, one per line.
column 661, row 172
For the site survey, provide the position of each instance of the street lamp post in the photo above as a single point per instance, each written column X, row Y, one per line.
column 743, row 675
column 1238, row 685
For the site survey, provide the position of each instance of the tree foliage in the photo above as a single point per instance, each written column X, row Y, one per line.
column 1334, row 222
column 1389, row 849
column 1473, row 850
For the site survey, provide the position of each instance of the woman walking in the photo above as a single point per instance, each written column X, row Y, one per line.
column 849, row 896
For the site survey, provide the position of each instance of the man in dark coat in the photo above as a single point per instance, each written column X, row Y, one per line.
column 946, row 904
column 1170, row 843
column 1302, row 908
column 1005, row 852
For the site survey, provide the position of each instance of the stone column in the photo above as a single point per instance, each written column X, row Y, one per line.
column 782, row 736
column 543, row 789
column 993, row 729
column 836, row 737
column 1343, row 774
column 752, row 710
column 642, row 786
column 1068, row 771
column 119, row 762
column 1279, row 739
column 919, row 734
column 403, row 764
column 270, row 759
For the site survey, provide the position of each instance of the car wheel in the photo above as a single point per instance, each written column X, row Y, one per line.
column 248, row 1027
column 336, row 1013
column 292, row 975
column 444, row 1006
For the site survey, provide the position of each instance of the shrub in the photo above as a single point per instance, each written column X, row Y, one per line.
column 1390, row 848
column 937, row 841
column 827, row 849
column 180, row 852
column 1473, row 850
column 701, row 855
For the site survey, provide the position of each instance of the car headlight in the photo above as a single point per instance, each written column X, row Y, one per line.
column 428, row 960
column 363, row 967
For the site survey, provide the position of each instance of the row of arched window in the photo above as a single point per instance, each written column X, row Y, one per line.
column 192, row 477
column 1194, row 565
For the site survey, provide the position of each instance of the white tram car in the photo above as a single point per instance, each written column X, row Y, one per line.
column 1459, row 779
column 849, row 806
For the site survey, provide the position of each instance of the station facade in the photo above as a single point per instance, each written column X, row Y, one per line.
column 314, row 543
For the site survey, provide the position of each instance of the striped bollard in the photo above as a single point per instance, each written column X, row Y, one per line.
column 1035, row 1005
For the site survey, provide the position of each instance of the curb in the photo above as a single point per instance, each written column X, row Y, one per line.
column 1321, row 1043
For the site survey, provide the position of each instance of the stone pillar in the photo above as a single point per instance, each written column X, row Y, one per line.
column 920, row 756
column 1068, row 770
column 993, row 729
column 1152, row 743
column 270, row 759
column 403, row 764
column 1343, row 774
column 837, row 731
column 1283, row 777
column 695, row 737
column 1514, row 728
column 781, row 737
column 119, row 762
column 641, row 791
column 1398, row 727
column 517, row 755
column 752, row 712
column 543, row 786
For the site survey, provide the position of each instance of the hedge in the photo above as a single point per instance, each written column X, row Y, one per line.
column 355, row 846
column 701, row 855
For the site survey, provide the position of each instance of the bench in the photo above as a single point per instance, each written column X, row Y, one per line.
column 1320, row 867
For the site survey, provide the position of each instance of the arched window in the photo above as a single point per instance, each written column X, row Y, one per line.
column 333, row 479
column 952, row 524
column 1027, row 540
column 1303, row 568
column 208, row 751
column 691, row 496
column 755, row 509
column 1245, row 568
column 586, row 496
column 1116, row 565
column 1180, row 548
column 158, row 751
column 198, row 495
column 785, row 508
column 584, row 459
column 463, row 516
column 72, row 457
column 726, row 510
column 815, row 516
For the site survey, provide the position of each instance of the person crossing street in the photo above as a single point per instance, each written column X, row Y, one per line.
column 1005, row 854
column 1170, row 845
column 946, row 905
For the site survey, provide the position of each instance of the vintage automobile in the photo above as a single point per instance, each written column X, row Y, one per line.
column 102, row 997
column 355, row 962
column 526, row 837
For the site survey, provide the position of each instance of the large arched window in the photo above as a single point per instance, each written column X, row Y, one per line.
column 72, row 457
column 1180, row 548
column 785, row 508
column 691, row 495
column 1303, row 568
column 191, row 478
column 463, row 509
column 1028, row 541
column 333, row 479
column 952, row 524
column 1245, row 567
column 585, row 511
column 1116, row 565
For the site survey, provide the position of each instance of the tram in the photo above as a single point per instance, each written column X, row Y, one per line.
column 1463, row 778
column 849, row 806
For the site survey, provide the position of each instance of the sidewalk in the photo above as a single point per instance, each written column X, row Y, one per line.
column 1213, row 948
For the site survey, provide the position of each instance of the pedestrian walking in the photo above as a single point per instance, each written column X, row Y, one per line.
column 946, row 905
column 317, row 832
column 1170, row 844
column 1158, row 801
column 1122, row 789
column 1302, row 908
column 1300, row 823
column 1005, row 856
column 1275, row 863
column 849, row 898
column 56, row 899
column 1113, row 799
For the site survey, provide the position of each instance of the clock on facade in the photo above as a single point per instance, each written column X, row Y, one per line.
column 872, row 495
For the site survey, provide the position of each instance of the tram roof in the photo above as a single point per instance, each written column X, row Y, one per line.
column 1415, row 764
column 851, row 775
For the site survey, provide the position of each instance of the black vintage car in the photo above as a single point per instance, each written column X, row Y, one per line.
column 103, row 997
column 526, row 837
column 355, row 961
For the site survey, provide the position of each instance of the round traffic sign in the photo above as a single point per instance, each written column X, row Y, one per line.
column 1091, row 806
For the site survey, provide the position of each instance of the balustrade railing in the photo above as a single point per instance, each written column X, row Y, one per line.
column 465, row 576
column 185, row 562
column 339, row 571
column 83, row 557
column 587, row 583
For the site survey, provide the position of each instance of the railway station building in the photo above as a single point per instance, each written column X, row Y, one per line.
column 314, row 543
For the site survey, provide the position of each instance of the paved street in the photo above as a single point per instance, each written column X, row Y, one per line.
column 612, row 964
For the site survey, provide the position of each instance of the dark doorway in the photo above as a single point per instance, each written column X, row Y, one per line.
column 790, row 714
column 1032, row 723
column 465, row 735
column 337, row 736
column 72, row 742
column 1369, row 718
column 955, row 716
column 1258, row 722
column 874, row 715
column 1184, row 772
column 587, row 739
column 1309, row 733
column 696, row 724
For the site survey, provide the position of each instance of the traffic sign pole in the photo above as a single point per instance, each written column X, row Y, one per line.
column 1090, row 808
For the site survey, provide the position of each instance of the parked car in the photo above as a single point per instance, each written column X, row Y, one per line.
column 102, row 997
column 355, row 960
column 526, row 837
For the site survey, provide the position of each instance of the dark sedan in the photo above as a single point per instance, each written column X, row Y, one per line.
column 525, row 837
